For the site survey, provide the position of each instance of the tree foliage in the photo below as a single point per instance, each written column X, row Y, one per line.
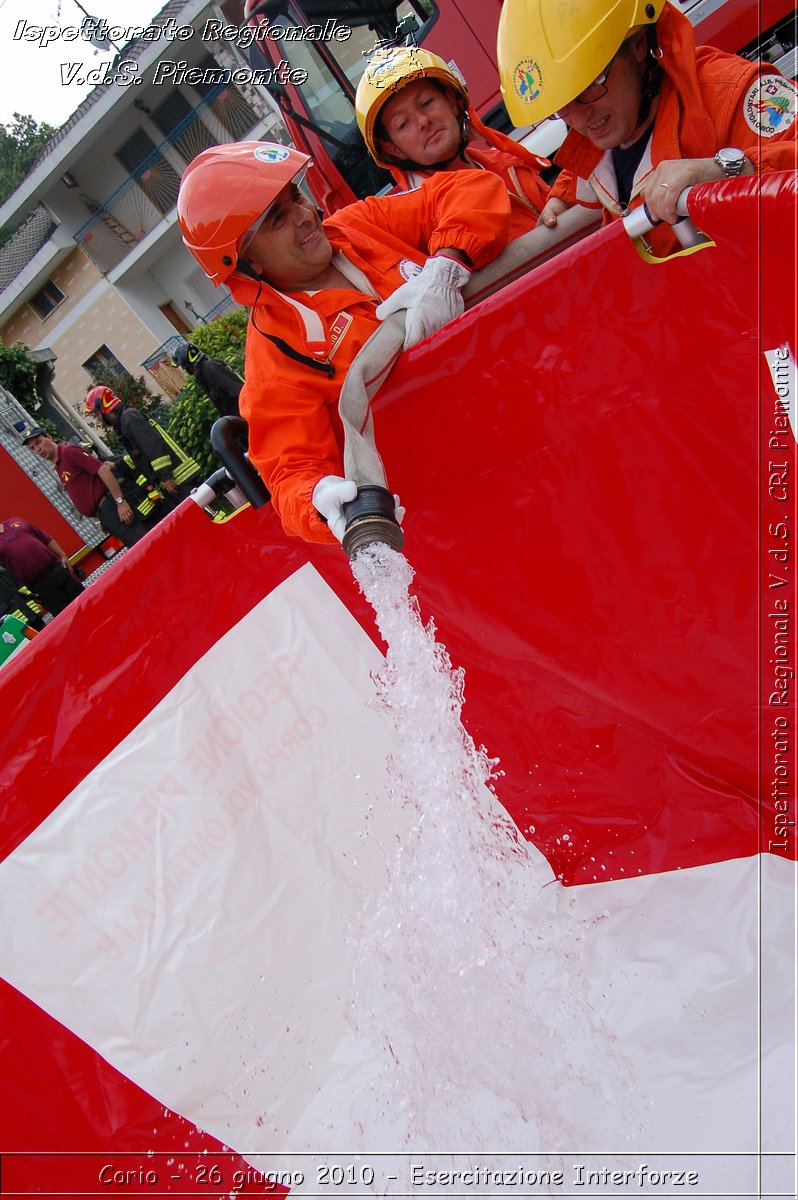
column 18, row 376
column 21, row 143
column 192, row 413
column 225, row 338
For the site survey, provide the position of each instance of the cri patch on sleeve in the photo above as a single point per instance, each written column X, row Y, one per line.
column 770, row 105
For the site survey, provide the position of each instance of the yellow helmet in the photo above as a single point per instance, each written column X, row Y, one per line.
column 388, row 71
column 550, row 51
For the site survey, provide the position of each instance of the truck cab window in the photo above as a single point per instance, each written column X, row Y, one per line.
column 333, row 69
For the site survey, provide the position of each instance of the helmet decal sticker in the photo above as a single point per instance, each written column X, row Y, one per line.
column 270, row 154
column 382, row 66
column 527, row 80
column 384, row 71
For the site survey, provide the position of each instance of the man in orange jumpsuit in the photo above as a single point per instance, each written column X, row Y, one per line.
column 416, row 119
column 649, row 113
column 315, row 289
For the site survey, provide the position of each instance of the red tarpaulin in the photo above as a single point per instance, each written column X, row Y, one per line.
column 600, row 489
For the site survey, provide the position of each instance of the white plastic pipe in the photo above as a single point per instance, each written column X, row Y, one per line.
column 639, row 222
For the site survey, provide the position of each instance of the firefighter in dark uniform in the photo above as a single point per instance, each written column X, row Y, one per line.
column 215, row 378
column 153, row 452
column 39, row 562
column 17, row 601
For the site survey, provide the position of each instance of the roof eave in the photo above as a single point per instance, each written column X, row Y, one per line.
column 100, row 111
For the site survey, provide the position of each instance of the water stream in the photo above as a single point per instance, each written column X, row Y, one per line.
column 469, row 985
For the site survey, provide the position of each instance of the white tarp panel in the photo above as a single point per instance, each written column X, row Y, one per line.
column 207, row 887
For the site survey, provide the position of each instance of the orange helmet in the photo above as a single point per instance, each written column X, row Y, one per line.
column 101, row 400
column 223, row 193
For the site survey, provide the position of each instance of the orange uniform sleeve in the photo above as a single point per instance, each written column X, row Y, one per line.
column 292, row 436
column 762, row 121
column 468, row 210
column 564, row 188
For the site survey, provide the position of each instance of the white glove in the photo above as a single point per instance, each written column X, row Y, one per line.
column 430, row 298
column 329, row 496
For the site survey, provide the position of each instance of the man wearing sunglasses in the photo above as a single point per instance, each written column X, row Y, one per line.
column 317, row 290
column 648, row 112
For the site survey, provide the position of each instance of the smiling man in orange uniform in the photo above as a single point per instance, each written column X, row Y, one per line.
column 318, row 290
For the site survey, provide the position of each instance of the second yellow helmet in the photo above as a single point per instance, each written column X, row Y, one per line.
column 389, row 71
column 551, row 50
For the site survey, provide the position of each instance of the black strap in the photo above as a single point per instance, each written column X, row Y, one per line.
column 290, row 352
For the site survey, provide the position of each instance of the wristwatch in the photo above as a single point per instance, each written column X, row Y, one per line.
column 730, row 161
column 119, row 499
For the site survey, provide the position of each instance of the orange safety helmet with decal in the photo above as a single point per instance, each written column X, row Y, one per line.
column 225, row 192
column 101, row 400
column 548, row 52
column 388, row 71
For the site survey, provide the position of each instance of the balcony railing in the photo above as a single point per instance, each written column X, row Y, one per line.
column 25, row 244
column 120, row 223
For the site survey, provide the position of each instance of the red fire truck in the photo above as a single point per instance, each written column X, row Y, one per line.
column 320, row 113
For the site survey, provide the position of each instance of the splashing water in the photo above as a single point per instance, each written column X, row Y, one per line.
column 468, row 986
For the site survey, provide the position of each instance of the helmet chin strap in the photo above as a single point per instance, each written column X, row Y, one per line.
column 244, row 267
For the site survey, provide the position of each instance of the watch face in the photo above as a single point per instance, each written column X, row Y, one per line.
column 730, row 159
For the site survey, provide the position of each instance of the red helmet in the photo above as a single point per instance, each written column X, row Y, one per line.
column 224, row 191
column 101, row 400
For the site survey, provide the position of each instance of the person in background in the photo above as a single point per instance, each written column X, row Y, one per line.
column 93, row 487
column 17, row 601
column 317, row 290
column 216, row 379
column 649, row 113
column 39, row 562
column 416, row 119
column 153, row 452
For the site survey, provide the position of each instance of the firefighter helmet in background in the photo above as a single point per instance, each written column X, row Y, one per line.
column 101, row 400
column 549, row 52
column 388, row 71
column 223, row 195
column 187, row 356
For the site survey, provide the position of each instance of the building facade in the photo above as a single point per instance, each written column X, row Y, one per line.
column 97, row 273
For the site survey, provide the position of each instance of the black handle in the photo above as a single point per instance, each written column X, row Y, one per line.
column 229, row 441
